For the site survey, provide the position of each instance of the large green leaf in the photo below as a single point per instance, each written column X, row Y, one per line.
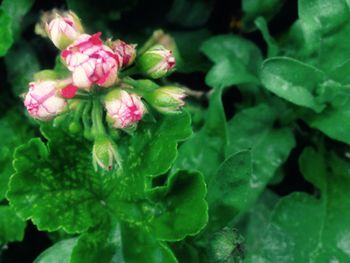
column 5, row 31
column 323, row 221
column 48, row 180
column 293, row 81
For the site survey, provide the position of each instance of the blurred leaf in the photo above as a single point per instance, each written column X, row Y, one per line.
column 14, row 131
column 272, row 47
column 190, row 13
column 11, row 226
column 20, row 71
column 265, row 8
column 16, row 9
column 5, row 31
column 236, row 61
column 60, row 252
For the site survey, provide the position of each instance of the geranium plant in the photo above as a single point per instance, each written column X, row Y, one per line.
column 174, row 131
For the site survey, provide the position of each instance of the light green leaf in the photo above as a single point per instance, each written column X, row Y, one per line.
column 324, row 220
column 60, row 252
column 293, row 81
column 11, row 226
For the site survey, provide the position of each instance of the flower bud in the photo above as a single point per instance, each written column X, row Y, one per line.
column 42, row 101
column 123, row 109
column 166, row 100
column 126, row 52
column 62, row 28
column 156, row 62
column 105, row 154
column 91, row 62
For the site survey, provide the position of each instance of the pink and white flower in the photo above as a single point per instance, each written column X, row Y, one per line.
column 63, row 29
column 91, row 62
column 42, row 100
column 123, row 109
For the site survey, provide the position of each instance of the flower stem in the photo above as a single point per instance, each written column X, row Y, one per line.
column 130, row 71
column 97, row 123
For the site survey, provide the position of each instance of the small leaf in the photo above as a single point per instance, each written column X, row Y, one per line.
column 11, row 226
column 140, row 246
column 5, row 31
column 182, row 207
column 293, row 81
column 253, row 9
column 60, row 252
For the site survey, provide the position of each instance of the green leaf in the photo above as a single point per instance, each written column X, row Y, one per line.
column 191, row 13
column 140, row 246
column 20, row 72
column 13, row 132
column 185, row 209
column 253, row 9
column 11, row 226
column 5, row 31
column 324, row 220
column 293, row 81
column 231, row 54
column 194, row 154
column 272, row 47
column 56, row 186
column 60, row 252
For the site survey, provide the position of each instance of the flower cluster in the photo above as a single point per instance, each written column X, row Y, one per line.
column 99, row 73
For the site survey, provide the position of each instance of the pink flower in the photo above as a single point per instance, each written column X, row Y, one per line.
column 123, row 109
column 91, row 62
column 126, row 52
column 42, row 101
column 63, row 29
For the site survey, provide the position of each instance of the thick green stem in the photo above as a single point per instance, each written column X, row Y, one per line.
column 130, row 71
column 97, row 123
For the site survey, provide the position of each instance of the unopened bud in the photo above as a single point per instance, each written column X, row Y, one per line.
column 167, row 100
column 156, row 62
column 62, row 27
column 123, row 109
column 105, row 154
